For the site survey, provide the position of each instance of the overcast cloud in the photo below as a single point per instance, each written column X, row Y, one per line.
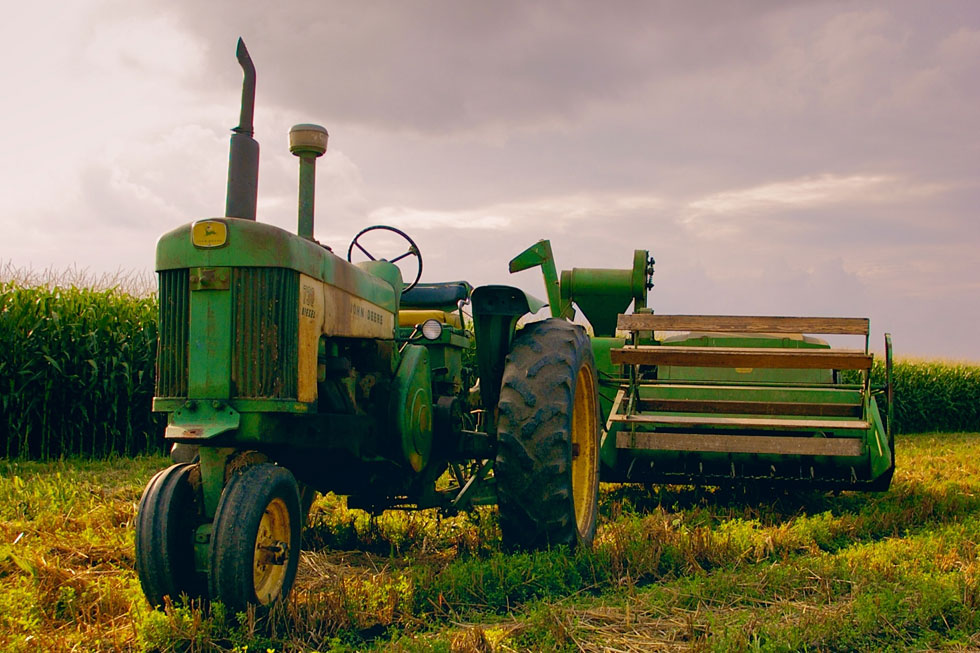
column 776, row 158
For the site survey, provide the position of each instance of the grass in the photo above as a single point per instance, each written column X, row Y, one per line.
column 672, row 568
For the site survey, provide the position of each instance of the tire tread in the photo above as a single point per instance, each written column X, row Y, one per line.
column 533, row 465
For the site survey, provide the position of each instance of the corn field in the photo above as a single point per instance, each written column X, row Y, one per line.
column 77, row 362
column 931, row 396
column 76, row 372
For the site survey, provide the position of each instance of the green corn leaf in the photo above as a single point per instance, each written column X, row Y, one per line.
column 53, row 364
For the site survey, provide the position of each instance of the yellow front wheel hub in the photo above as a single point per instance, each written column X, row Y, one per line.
column 272, row 543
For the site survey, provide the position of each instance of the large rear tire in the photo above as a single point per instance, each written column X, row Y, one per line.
column 547, row 466
column 168, row 516
column 255, row 538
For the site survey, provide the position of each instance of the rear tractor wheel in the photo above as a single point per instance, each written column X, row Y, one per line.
column 255, row 539
column 547, row 467
column 168, row 516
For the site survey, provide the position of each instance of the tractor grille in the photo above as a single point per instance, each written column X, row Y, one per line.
column 172, row 349
column 265, row 333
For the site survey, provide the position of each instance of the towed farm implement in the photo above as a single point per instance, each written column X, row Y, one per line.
column 285, row 370
column 724, row 400
column 748, row 399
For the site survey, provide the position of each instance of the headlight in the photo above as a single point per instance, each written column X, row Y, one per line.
column 432, row 329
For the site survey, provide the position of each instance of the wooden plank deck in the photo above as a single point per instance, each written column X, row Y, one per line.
column 744, row 324
column 767, row 423
column 801, row 409
column 740, row 444
column 743, row 357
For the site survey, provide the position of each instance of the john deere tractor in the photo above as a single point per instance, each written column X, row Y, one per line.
column 285, row 369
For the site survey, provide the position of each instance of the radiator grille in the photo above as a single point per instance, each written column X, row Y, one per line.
column 265, row 333
column 172, row 348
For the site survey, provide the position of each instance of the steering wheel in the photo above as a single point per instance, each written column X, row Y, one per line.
column 413, row 250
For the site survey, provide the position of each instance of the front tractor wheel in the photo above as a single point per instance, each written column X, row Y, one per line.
column 255, row 538
column 168, row 515
column 547, row 467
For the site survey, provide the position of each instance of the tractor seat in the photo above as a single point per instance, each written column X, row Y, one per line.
column 445, row 296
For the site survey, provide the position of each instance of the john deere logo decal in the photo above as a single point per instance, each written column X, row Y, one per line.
column 209, row 233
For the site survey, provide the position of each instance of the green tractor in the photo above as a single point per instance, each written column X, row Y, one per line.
column 285, row 369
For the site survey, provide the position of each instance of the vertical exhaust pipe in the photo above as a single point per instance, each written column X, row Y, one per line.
column 243, row 153
column 307, row 142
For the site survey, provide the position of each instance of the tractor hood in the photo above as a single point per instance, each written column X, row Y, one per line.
column 234, row 242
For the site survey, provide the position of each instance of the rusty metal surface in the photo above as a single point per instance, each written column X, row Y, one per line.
column 174, row 320
column 265, row 328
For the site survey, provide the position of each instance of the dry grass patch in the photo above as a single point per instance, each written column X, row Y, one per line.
column 672, row 569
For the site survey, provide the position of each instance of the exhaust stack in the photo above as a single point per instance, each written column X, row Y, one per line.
column 243, row 153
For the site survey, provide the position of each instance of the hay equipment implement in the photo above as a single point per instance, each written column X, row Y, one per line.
column 748, row 399
column 725, row 400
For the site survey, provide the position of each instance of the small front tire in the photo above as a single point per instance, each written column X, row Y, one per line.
column 255, row 539
column 167, row 518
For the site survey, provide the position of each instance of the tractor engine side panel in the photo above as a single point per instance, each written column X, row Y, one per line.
column 330, row 311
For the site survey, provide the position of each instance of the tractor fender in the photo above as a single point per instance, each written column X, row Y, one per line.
column 496, row 310
column 504, row 300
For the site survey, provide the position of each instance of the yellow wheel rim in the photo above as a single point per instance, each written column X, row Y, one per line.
column 272, row 546
column 585, row 450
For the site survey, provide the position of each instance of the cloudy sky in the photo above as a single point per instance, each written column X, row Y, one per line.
column 789, row 158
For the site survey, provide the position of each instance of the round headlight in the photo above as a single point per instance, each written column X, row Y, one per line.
column 432, row 329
